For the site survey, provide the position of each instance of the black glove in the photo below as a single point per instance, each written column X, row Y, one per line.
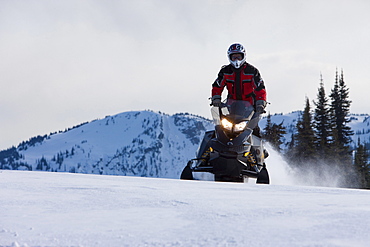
column 216, row 100
column 260, row 106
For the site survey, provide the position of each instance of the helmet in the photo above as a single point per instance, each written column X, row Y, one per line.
column 236, row 49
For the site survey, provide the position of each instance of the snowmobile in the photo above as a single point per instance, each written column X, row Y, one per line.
column 231, row 152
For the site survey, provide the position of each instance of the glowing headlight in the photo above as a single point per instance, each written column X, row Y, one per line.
column 226, row 124
column 240, row 126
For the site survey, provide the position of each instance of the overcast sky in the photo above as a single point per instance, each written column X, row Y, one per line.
column 67, row 62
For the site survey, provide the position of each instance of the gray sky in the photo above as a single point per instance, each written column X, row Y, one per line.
column 71, row 61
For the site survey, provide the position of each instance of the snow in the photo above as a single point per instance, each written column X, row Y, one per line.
column 63, row 209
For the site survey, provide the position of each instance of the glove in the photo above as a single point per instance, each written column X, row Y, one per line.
column 260, row 106
column 216, row 100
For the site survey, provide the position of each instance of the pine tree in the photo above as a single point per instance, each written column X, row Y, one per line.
column 304, row 149
column 267, row 131
column 346, row 132
column 322, row 124
column 339, row 119
column 279, row 132
column 362, row 166
column 339, row 114
column 273, row 133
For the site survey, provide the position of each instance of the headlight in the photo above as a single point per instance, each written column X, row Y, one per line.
column 226, row 124
column 240, row 126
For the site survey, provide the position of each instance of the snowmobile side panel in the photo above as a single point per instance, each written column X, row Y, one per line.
column 257, row 145
column 204, row 146
column 251, row 174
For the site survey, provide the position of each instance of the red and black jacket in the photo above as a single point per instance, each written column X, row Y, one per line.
column 244, row 83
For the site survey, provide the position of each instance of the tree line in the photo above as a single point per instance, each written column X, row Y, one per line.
column 322, row 137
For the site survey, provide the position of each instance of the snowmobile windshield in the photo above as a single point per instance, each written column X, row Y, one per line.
column 239, row 110
column 235, row 111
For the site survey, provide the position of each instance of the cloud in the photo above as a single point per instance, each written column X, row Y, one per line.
column 66, row 62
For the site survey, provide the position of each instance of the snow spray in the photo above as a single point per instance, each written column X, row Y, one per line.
column 281, row 173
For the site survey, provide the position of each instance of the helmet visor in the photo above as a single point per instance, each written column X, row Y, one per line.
column 236, row 56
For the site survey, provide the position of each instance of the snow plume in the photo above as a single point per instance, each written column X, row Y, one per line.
column 318, row 174
column 323, row 174
column 279, row 170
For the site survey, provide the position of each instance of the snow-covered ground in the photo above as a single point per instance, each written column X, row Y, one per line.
column 63, row 209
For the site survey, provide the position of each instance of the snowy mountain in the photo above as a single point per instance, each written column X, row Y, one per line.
column 141, row 143
column 132, row 143
column 61, row 209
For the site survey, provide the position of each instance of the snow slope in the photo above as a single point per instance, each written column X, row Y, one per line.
column 64, row 209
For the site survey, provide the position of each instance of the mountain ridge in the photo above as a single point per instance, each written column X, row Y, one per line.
column 139, row 143
column 134, row 143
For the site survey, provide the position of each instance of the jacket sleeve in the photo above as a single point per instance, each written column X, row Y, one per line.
column 219, row 84
column 260, row 90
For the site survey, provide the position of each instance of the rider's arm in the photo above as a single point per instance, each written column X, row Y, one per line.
column 260, row 89
column 219, row 84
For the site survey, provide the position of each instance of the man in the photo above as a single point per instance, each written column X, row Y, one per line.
column 242, row 80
